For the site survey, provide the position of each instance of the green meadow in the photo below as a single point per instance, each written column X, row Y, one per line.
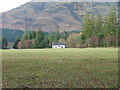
column 60, row 68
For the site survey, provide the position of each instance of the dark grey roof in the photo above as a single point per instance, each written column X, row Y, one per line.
column 58, row 44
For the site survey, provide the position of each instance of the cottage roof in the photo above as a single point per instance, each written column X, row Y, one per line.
column 58, row 44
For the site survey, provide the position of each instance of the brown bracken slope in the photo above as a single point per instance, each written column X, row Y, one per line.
column 51, row 16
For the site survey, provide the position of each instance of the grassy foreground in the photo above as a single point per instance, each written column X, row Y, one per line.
column 60, row 68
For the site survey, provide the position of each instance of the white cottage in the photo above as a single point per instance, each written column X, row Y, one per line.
column 58, row 45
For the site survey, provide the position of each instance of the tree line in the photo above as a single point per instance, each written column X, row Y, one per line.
column 100, row 32
column 39, row 39
column 96, row 31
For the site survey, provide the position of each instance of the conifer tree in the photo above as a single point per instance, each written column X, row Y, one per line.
column 57, row 35
column 25, row 37
column 92, row 28
column 4, row 43
column 29, row 37
column 33, row 34
column 40, row 40
column 51, row 37
column 86, row 27
column 110, row 24
column 64, row 35
column 97, row 26
column 16, row 43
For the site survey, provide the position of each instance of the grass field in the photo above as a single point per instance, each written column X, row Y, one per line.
column 60, row 68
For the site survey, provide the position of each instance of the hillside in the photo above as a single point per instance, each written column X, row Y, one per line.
column 51, row 16
column 11, row 34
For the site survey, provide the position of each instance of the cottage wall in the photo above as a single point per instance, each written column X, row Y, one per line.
column 58, row 46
